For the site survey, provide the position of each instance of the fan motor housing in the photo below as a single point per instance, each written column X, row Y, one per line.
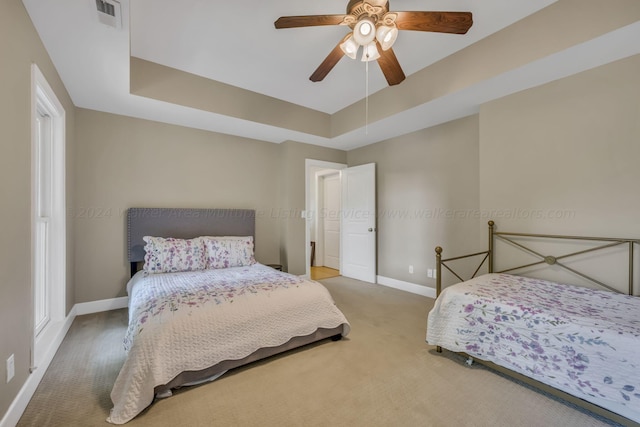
column 356, row 7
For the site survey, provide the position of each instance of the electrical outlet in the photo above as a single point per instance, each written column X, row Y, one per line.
column 411, row 269
column 429, row 272
column 11, row 369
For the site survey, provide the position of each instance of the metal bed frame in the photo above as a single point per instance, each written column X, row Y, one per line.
column 609, row 242
column 488, row 257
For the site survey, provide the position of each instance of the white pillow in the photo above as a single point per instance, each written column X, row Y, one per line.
column 228, row 251
column 169, row 255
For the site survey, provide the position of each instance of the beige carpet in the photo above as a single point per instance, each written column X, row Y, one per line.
column 382, row 374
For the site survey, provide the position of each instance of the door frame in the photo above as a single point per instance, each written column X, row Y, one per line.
column 311, row 166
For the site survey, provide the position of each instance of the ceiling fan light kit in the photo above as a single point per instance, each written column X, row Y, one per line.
column 386, row 36
column 364, row 34
column 370, row 52
column 350, row 47
column 373, row 27
column 364, row 31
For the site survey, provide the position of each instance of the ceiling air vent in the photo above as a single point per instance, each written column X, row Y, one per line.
column 109, row 13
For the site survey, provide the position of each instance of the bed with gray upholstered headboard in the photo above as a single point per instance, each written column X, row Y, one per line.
column 183, row 224
column 202, row 305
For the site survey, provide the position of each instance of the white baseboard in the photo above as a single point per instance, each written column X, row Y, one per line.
column 407, row 287
column 25, row 394
column 101, row 305
column 21, row 401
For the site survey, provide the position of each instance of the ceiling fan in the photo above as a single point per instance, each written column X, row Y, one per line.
column 375, row 29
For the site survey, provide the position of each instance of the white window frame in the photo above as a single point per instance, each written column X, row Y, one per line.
column 43, row 159
column 44, row 101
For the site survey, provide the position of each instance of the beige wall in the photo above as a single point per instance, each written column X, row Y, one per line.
column 560, row 158
column 20, row 46
column 178, row 87
column 567, row 151
column 427, row 195
column 563, row 158
column 125, row 162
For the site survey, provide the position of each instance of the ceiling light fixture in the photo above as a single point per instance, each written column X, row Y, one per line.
column 386, row 36
column 350, row 47
column 370, row 52
column 365, row 33
column 374, row 27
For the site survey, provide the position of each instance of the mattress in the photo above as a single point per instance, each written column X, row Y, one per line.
column 190, row 321
column 582, row 341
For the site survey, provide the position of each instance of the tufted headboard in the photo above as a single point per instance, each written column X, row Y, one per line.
column 183, row 224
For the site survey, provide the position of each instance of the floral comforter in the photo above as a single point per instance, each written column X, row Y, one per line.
column 585, row 342
column 190, row 321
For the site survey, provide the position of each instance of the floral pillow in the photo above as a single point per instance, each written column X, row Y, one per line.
column 229, row 251
column 169, row 255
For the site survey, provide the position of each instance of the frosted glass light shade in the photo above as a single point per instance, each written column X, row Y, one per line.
column 370, row 52
column 386, row 36
column 350, row 47
column 364, row 31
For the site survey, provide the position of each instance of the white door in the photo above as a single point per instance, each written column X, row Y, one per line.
column 358, row 229
column 331, row 221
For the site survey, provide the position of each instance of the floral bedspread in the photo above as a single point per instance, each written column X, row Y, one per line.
column 189, row 321
column 585, row 342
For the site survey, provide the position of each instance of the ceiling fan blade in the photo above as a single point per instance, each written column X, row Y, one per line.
column 327, row 65
column 439, row 22
column 308, row 21
column 390, row 66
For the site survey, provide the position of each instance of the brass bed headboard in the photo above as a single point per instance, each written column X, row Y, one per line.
column 607, row 242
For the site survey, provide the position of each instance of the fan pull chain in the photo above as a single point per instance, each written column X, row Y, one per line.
column 366, row 98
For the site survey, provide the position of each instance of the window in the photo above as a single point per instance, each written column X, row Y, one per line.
column 48, row 213
column 42, row 216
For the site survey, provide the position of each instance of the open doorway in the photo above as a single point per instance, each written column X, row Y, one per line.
column 325, row 226
column 355, row 213
column 323, row 218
